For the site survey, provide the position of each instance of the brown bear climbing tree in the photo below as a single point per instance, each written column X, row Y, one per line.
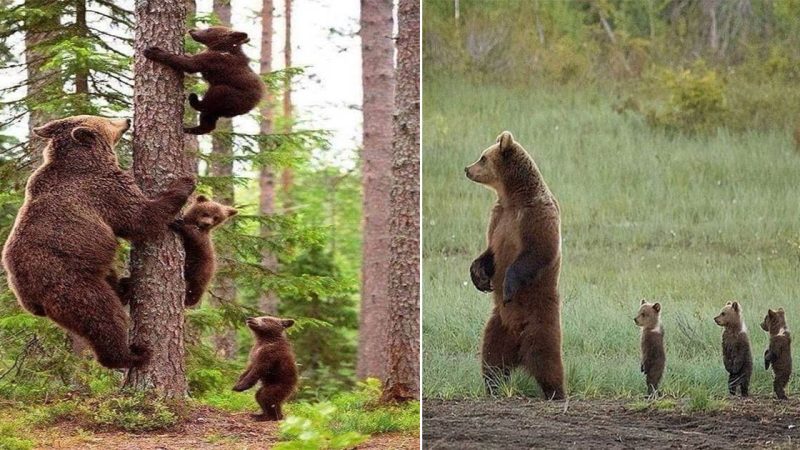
column 157, row 286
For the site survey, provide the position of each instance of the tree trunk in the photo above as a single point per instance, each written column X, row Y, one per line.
column 222, row 166
column 377, row 50
column 268, row 302
column 191, row 146
column 403, row 322
column 82, row 30
column 37, row 30
column 287, row 177
column 157, row 267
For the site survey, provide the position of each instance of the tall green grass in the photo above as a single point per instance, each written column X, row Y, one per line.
column 689, row 221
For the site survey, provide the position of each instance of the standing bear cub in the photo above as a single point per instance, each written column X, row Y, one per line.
column 60, row 254
column 521, row 265
column 234, row 89
column 271, row 362
column 735, row 348
column 202, row 216
column 779, row 352
column 654, row 359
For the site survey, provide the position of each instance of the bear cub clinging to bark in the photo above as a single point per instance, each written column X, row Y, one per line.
column 779, row 352
column 59, row 256
column 735, row 348
column 234, row 89
column 653, row 356
column 272, row 362
column 521, row 265
column 202, row 216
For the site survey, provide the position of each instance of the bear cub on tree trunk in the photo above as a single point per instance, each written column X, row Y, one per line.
column 653, row 356
column 272, row 362
column 202, row 216
column 779, row 353
column 59, row 256
column 234, row 89
column 735, row 348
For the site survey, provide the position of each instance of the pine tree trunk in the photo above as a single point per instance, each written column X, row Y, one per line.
column 403, row 322
column 157, row 267
column 377, row 50
column 222, row 166
column 268, row 302
column 287, row 177
column 37, row 30
column 191, row 146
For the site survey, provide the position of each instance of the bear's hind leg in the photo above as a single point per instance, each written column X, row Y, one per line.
column 270, row 398
column 541, row 357
column 208, row 122
column 94, row 312
column 499, row 355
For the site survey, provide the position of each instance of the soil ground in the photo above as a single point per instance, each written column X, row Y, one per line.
column 516, row 423
column 205, row 429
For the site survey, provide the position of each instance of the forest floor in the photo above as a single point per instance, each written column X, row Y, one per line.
column 205, row 428
column 527, row 423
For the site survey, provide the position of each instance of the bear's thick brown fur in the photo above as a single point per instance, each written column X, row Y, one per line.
column 521, row 265
column 779, row 352
column 272, row 362
column 202, row 216
column 654, row 358
column 736, row 354
column 59, row 256
column 234, row 89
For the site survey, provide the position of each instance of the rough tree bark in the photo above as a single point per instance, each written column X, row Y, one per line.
column 37, row 31
column 268, row 302
column 402, row 381
column 287, row 176
column 377, row 53
column 157, row 267
column 81, row 30
column 221, row 165
column 191, row 146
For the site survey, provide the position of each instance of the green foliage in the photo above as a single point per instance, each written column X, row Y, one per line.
column 696, row 101
column 133, row 411
column 10, row 438
column 313, row 431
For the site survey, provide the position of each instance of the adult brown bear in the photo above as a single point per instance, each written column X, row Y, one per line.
column 59, row 256
column 521, row 265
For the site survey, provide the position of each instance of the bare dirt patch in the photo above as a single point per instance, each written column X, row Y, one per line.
column 204, row 429
column 526, row 423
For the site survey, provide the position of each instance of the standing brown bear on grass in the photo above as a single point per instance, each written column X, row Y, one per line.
column 61, row 250
column 234, row 89
column 271, row 362
column 521, row 265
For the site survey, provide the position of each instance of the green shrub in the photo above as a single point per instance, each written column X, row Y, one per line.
column 314, row 431
column 134, row 412
column 9, row 440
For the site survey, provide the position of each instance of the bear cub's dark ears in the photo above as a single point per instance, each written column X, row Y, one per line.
column 506, row 139
column 49, row 129
column 240, row 37
column 201, row 198
column 83, row 135
column 657, row 307
column 287, row 323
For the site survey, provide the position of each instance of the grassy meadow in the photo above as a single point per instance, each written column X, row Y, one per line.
column 691, row 222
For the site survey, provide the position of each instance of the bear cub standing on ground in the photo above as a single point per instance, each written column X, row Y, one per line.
column 521, row 265
column 735, row 348
column 272, row 362
column 653, row 356
column 234, row 89
column 202, row 216
column 779, row 353
column 59, row 256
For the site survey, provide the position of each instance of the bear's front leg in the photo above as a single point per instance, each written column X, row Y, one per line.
column 482, row 270
column 178, row 62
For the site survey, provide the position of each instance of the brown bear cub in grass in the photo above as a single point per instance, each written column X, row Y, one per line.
column 521, row 265
column 779, row 353
column 653, row 356
column 202, row 216
column 234, row 89
column 60, row 254
column 272, row 362
column 735, row 348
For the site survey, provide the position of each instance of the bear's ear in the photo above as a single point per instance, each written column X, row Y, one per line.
column 287, row 323
column 83, row 135
column 728, row 304
column 201, row 199
column 231, row 211
column 49, row 129
column 506, row 139
column 238, row 37
column 770, row 313
column 643, row 302
column 735, row 306
column 780, row 310
column 657, row 306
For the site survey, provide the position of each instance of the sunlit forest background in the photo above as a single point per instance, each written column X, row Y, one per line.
column 669, row 131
